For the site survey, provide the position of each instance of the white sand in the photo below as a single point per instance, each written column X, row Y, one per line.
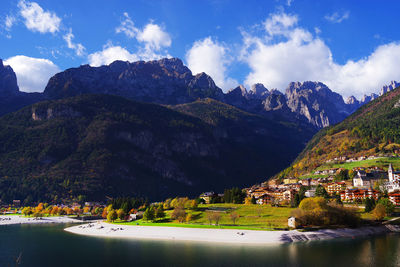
column 102, row 229
column 16, row 219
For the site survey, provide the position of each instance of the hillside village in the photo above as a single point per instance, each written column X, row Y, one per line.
column 350, row 186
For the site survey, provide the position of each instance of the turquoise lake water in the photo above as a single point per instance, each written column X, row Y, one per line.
column 49, row 245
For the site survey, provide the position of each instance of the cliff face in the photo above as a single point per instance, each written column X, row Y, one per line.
column 165, row 81
column 316, row 102
column 11, row 99
column 104, row 145
column 8, row 80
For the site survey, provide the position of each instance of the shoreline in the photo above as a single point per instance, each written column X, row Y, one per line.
column 227, row 236
column 18, row 219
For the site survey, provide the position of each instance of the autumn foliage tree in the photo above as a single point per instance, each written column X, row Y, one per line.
column 179, row 214
column 112, row 216
column 234, row 217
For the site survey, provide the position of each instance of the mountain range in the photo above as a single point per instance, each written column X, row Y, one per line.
column 169, row 81
column 152, row 129
column 92, row 146
column 372, row 130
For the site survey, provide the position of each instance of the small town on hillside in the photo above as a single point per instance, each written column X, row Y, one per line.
column 367, row 182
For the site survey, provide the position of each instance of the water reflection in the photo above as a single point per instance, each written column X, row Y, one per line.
column 51, row 246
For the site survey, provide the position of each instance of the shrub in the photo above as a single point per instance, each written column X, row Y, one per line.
column 317, row 211
column 379, row 212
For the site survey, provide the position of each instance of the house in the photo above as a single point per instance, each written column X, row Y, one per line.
column 358, row 195
column 136, row 216
column 290, row 181
column 335, row 188
column 310, row 193
column 394, row 197
column 293, row 222
column 207, row 196
column 306, row 182
column 265, row 199
column 16, row 203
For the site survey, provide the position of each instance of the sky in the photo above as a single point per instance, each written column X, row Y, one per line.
column 352, row 46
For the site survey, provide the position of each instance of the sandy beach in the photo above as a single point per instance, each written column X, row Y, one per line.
column 102, row 229
column 16, row 219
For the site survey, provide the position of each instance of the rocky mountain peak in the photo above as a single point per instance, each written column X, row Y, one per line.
column 386, row 88
column 368, row 98
column 316, row 102
column 164, row 81
column 351, row 100
column 258, row 90
column 8, row 80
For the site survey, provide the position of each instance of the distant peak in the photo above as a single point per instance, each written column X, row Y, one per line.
column 351, row 100
column 258, row 89
column 240, row 88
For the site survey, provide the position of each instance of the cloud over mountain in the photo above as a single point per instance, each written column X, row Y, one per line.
column 211, row 57
column 283, row 52
column 32, row 73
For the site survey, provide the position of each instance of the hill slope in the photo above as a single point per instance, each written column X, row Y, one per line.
column 102, row 145
column 371, row 130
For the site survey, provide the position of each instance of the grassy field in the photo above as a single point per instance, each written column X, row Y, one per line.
column 252, row 217
column 381, row 162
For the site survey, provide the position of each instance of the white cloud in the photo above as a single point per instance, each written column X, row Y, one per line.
column 78, row 48
column 211, row 57
column 109, row 54
column 32, row 73
column 294, row 54
column 153, row 36
column 337, row 17
column 279, row 24
column 9, row 22
column 36, row 19
column 152, row 39
column 289, row 2
column 127, row 27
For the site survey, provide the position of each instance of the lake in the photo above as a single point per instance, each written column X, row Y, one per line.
column 49, row 245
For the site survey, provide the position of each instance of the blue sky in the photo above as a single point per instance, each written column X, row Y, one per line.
column 353, row 48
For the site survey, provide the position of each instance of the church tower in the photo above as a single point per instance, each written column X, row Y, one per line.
column 390, row 172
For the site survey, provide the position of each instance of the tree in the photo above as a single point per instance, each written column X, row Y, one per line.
column 26, row 211
column 112, row 216
column 160, row 214
column 234, row 217
column 209, row 215
column 149, row 214
column 193, row 204
column 296, row 201
column 104, row 213
column 217, row 217
column 189, row 217
column 167, row 204
column 179, row 214
column 253, row 200
column 388, row 205
column 234, row 195
column 121, row 214
column 39, row 208
column 321, row 192
column 379, row 212
column 247, row 201
column 86, row 209
column 369, row 204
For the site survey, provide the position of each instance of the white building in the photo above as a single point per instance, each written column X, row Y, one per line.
column 394, row 180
